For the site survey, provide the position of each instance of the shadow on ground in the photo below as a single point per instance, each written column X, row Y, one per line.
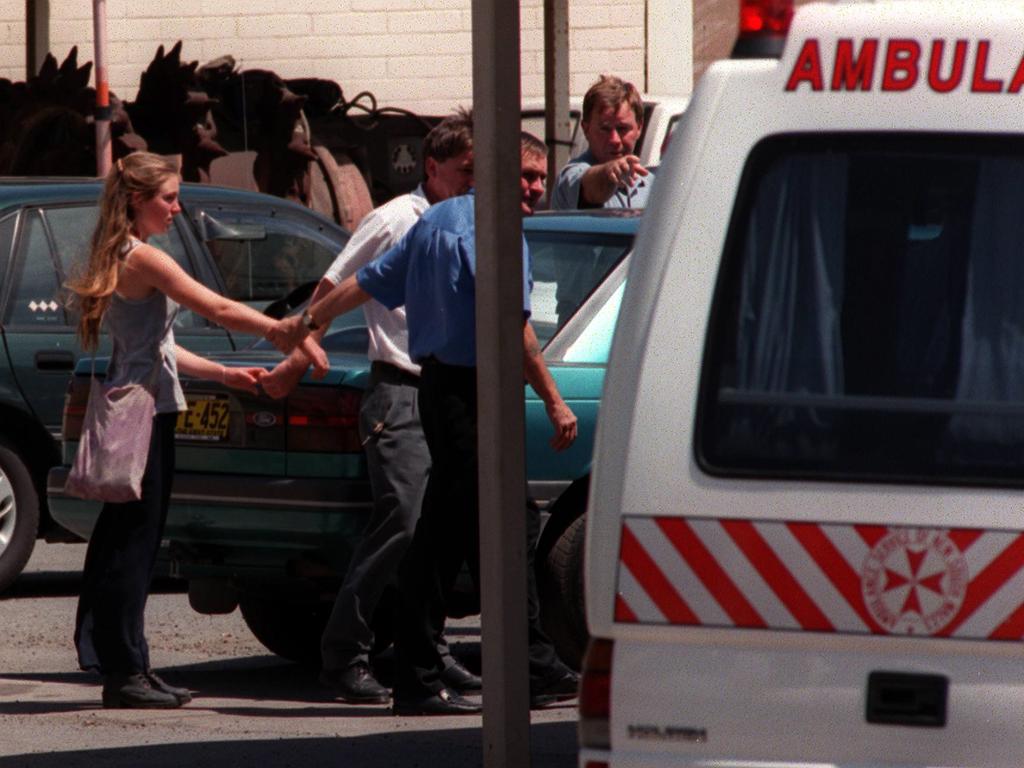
column 553, row 745
column 67, row 584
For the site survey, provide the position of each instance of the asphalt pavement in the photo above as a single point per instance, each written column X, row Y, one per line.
column 252, row 709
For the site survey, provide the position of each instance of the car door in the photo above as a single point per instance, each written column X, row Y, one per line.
column 51, row 244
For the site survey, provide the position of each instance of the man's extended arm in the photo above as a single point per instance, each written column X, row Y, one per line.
column 600, row 181
column 539, row 377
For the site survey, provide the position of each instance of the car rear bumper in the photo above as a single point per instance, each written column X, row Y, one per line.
column 240, row 512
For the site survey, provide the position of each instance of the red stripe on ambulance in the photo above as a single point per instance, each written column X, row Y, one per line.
column 828, row 578
column 654, row 582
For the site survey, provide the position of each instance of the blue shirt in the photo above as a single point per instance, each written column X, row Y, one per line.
column 432, row 271
column 567, row 189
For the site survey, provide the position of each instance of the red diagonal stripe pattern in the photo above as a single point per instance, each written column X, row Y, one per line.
column 655, row 584
column 835, row 567
column 777, row 576
column 711, row 574
column 985, row 584
column 1012, row 628
column 623, row 613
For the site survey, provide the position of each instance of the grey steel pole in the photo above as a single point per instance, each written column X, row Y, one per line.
column 103, row 147
column 499, row 324
column 557, row 125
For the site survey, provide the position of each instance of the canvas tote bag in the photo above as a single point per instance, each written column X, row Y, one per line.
column 114, row 446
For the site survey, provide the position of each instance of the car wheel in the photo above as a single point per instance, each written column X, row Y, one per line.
column 560, row 584
column 19, row 515
column 291, row 629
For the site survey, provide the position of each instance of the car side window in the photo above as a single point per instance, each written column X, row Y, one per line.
column 35, row 299
column 72, row 227
column 566, row 269
column 262, row 256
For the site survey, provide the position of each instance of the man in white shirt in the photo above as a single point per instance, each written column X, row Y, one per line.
column 396, row 451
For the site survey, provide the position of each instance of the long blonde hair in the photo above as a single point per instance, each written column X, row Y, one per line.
column 140, row 172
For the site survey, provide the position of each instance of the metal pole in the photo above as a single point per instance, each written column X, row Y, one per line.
column 499, row 324
column 103, row 148
column 557, row 125
column 37, row 35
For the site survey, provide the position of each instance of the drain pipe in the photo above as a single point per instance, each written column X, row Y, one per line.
column 102, row 113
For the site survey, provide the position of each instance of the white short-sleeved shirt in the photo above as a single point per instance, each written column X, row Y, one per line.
column 380, row 229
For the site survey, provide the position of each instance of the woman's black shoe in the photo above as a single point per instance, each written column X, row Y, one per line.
column 135, row 692
column 183, row 695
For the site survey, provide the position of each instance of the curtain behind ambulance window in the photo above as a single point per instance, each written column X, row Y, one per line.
column 868, row 320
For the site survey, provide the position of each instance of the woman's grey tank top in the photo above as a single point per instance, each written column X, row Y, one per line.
column 137, row 327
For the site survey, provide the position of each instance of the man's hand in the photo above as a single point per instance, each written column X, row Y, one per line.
column 285, row 376
column 316, row 356
column 622, row 171
column 600, row 181
column 564, row 422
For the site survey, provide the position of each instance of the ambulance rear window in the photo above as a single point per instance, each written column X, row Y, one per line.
column 869, row 316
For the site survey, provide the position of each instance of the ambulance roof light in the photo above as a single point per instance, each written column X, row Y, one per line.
column 763, row 28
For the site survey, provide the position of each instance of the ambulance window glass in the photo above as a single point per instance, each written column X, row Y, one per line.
column 868, row 321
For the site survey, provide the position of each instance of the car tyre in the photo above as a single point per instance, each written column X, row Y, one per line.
column 288, row 628
column 19, row 515
column 560, row 584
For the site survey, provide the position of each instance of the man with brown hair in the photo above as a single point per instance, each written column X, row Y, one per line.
column 397, row 457
column 432, row 271
column 608, row 174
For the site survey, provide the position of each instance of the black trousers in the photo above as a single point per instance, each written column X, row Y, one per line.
column 119, row 564
column 448, row 534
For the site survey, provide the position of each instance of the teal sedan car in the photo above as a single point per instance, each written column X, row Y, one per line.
column 270, row 496
column 245, row 245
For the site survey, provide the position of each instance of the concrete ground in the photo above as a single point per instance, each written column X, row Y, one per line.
column 252, row 709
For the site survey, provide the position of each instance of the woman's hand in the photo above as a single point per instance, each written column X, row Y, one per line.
column 246, row 379
column 287, row 333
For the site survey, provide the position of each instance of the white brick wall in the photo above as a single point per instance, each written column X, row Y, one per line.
column 409, row 53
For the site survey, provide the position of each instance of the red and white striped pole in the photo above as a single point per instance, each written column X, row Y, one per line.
column 103, row 148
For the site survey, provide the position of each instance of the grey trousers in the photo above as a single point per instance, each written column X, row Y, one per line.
column 398, row 461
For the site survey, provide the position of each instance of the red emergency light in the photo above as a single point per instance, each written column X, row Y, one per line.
column 763, row 28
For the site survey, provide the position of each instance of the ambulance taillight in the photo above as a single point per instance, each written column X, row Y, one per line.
column 763, row 28
column 595, row 695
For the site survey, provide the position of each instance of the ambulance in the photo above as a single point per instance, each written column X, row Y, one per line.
column 805, row 534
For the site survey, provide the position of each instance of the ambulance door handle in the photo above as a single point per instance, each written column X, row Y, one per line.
column 904, row 698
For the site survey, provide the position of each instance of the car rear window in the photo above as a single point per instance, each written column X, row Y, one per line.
column 869, row 316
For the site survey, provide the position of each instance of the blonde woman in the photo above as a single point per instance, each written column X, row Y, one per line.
column 135, row 289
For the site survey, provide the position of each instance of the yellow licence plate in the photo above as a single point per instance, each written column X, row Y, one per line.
column 207, row 418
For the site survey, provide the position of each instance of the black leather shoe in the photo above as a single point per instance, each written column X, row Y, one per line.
column 461, row 680
column 444, row 702
column 157, row 683
column 355, row 685
column 135, row 692
column 560, row 688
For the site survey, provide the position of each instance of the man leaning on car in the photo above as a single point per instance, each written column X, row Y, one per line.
column 608, row 174
column 396, row 451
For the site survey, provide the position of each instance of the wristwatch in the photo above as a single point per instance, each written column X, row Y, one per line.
column 307, row 320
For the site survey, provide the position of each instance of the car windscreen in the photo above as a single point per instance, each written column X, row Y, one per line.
column 868, row 320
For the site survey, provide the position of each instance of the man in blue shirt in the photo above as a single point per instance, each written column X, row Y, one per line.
column 608, row 174
column 432, row 271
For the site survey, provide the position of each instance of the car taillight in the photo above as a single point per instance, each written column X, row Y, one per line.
column 75, row 400
column 595, row 694
column 763, row 28
column 324, row 419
